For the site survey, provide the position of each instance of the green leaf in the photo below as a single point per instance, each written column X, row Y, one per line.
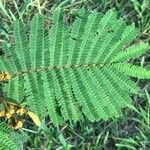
column 74, row 71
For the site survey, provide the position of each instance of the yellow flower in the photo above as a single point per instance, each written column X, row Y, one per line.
column 21, row 111
column 18, row 124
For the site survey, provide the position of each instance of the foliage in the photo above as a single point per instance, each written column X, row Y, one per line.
column 9, row 139
column 84, row 134
column 74, row 70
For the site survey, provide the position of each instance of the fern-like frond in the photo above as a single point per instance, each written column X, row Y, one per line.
column 15, row 89
column 6, row 142
column 10, row 140
column 21, row 45
column 131, row 52
column 99, row 40
column 133, row 70
column 50, row 99
column 77, row 36
column 76, row 70
column 123, row 81
column 4, row 127
column 36, row 43
column 19, row 139
column 129, row 34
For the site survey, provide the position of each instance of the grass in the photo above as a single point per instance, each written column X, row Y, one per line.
column 132, row 131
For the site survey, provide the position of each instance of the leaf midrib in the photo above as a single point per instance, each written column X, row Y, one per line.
column 50, row 68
